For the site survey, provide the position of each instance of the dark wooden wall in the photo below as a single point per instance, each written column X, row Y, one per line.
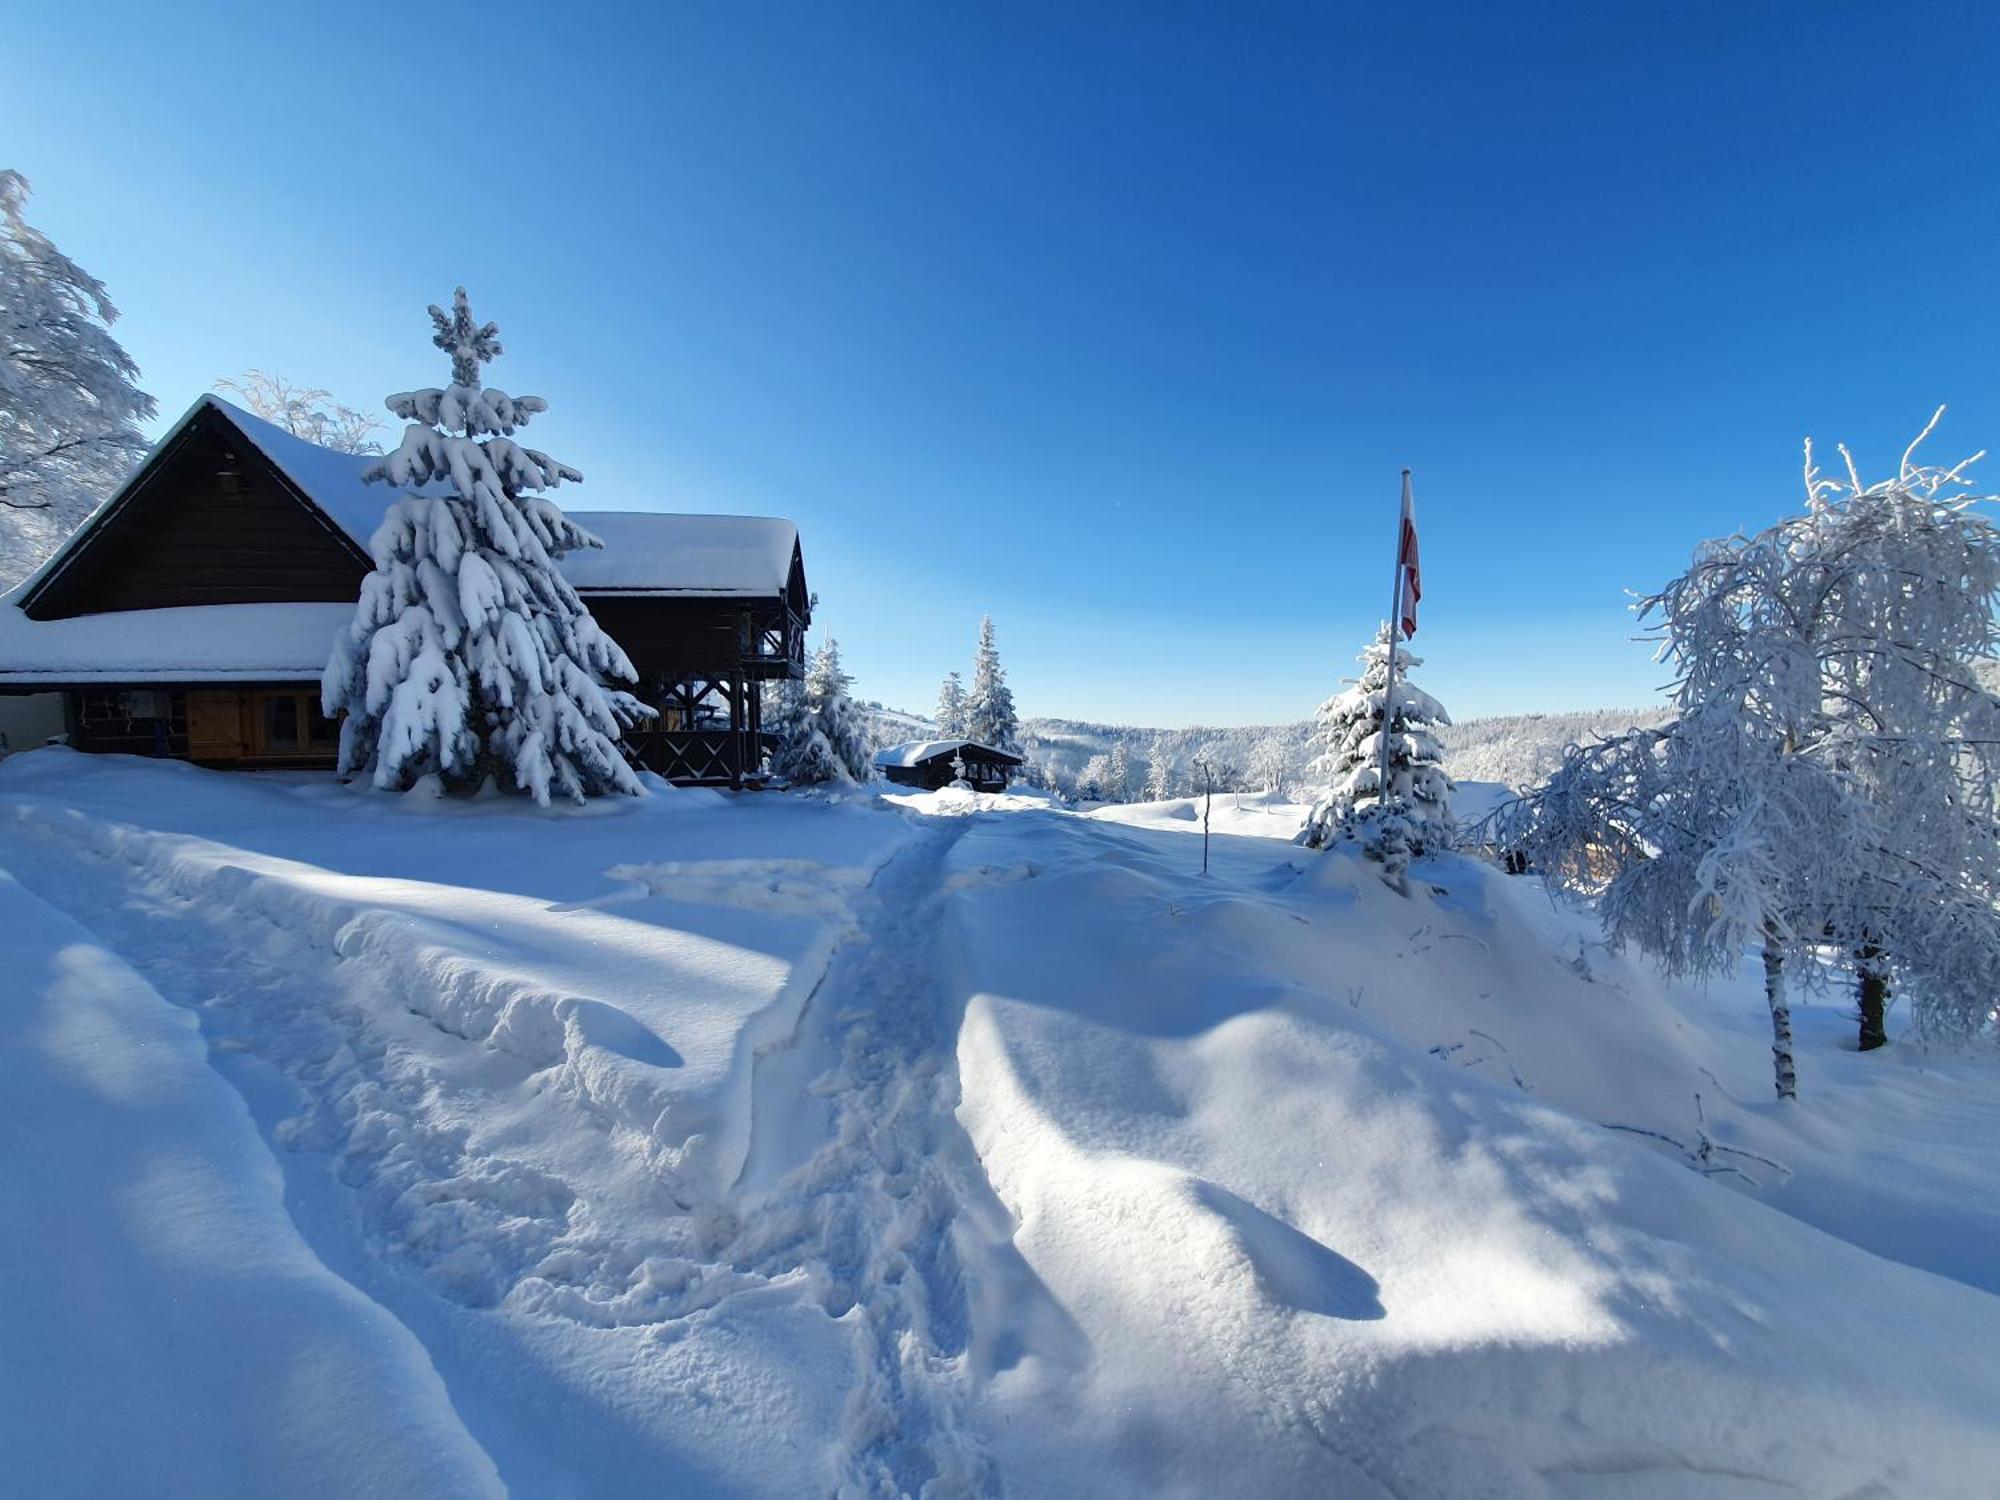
column 671, row 638
column 210, row 523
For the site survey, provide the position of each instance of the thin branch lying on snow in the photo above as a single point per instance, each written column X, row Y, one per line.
column 1448, row 1052
column 1705, row 1155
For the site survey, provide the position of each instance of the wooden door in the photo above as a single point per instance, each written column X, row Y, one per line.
column 215, row 725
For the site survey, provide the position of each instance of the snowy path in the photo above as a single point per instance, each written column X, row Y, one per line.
column 505, row 1212
column 869, row 1219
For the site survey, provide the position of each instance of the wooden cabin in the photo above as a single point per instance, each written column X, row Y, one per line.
column 928, row 763
column 192, row 614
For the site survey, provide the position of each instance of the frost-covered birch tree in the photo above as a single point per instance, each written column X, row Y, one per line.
column 470, row 657
column 1828, row 790
column 1415, row 817
column 307, row 412
column 951, row 708
column 989, row 707
column 69, row 406
column 1271, row 764
column 1118, row 773
column 1093, row 781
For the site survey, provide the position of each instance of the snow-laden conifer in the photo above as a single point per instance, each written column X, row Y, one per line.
column 470, row 656
column 989, row 707
column 1159, row 778
column 840, row 723
column 1828, row 789
column 800, row 754
column 1416, row 815
column 69, row 408
column 958, row 778
column 951, row 709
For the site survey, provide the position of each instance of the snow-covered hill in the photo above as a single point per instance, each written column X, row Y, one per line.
column 776, row 1146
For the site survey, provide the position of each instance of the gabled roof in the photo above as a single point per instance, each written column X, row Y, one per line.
column 918, row 752
column 646, row 552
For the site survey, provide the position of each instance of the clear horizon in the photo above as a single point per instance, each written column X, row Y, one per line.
column 1118, row 332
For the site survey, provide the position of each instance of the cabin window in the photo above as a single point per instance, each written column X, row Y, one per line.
column 291, row 724
column 322, row 733
column 146, row 722
column 281, row 724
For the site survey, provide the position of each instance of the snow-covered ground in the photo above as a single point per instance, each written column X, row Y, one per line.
column 928, row 1143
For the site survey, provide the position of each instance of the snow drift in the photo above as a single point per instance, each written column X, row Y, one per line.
column 936, row 1144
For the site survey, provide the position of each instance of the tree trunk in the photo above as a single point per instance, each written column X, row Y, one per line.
column 1781, row 1020
column 1874, row 996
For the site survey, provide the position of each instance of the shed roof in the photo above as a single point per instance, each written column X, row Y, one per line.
column 917, row 752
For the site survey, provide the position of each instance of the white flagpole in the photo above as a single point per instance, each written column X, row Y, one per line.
column 1395, row 630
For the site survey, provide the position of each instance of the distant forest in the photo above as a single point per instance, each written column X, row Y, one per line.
column 1517, row 750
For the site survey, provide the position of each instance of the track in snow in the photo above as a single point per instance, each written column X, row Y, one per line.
column 870, row 1216
column 856, row 1215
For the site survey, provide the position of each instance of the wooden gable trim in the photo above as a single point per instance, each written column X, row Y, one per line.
column 205, row 415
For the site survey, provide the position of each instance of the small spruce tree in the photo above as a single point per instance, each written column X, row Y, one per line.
column 470, row 656
column 1349, row 735
column 951, row 709
column 1159, row 778
column 989, row 709
column 800, row 753
column 840, row 723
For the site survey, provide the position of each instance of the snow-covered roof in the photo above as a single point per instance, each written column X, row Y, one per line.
column 651, row 552
column 916, row 752
column 197, row 643
column 644, row 551
column 1473, row 801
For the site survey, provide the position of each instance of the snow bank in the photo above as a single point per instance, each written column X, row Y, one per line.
column 1307, row 1254
column 167, row 1330
column 507, row 1061
column 945, row 1143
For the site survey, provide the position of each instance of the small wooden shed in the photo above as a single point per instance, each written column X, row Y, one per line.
column 928, row 763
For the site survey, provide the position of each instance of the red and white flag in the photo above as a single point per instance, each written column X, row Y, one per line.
column 1409, row 575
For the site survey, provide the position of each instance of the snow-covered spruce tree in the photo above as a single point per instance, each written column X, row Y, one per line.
column 69, row 410
column 800, row 754
column 1159, row 778
column 839, row 722
column 951, row 709
column 470, row 656
column 1829, row 787
column 989, row 707
column 1415, row 818
column 958, row 781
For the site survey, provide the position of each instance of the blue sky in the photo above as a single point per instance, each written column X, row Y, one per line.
column 1117, row 321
